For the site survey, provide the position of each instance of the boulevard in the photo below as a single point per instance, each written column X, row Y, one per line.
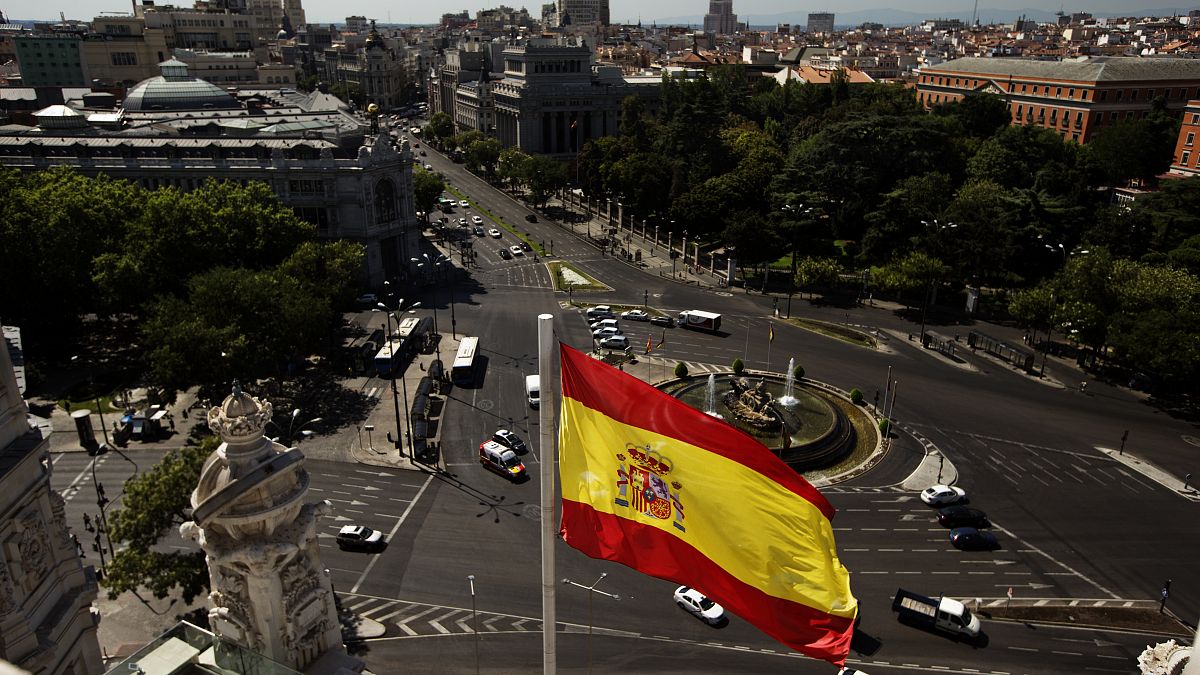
column 1073, row 522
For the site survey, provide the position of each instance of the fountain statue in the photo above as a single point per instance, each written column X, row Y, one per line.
column 751, row 403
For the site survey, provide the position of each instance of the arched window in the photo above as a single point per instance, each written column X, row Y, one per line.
column 385, row 201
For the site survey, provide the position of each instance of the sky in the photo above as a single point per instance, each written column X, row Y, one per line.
column 429, row 11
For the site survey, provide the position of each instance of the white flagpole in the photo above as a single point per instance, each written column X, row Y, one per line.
column 549, row 455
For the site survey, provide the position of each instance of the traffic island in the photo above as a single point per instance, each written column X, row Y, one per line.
column 1130, row 615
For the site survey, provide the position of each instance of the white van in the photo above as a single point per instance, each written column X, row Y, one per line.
column 533, row 390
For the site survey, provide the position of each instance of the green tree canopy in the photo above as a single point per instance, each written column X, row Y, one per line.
column 154, row 503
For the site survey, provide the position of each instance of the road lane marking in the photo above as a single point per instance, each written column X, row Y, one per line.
column 375, row 559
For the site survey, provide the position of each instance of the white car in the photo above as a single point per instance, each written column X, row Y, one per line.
column 941, row 495
column 476, row 220
column 494, row 232
column 360, row 537
column 516, row 250
column 635, row 315
column 615, row 342
column 464, row 203
column 429, row 167
column 606, row 331
column 692, row 600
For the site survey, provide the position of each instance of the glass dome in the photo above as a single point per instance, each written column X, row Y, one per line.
column 176, row 90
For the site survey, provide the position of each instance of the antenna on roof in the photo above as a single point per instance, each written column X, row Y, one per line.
column 975, row 14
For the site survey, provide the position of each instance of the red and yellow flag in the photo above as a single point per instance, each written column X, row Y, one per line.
column 652, row 483
column 649, row 343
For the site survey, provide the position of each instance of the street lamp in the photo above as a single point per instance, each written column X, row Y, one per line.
column 395, row 399
column 292, row 426
column 654, row 246
column 474, row 621
column 591, row 589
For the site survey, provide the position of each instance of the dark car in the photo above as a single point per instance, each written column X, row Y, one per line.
column 505, row 254
column 525, row 246
column 510, row 440
column 971, row 539
column 530, row 218
column 662, row 321
column 962, row 516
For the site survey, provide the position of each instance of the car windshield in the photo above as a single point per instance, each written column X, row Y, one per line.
column 966, row 617
column 706, row 604
column 366, row 532
column 510, row 462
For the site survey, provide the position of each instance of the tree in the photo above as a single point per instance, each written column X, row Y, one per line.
column 545, row 175
column 330, row 270
column 427, row 187
column 513, row 167
column 178, row 235
column 440, row 127
column 154, row 503
column 54, row 229
column 1153, row 135
column 913, row 273
column 817, row 273
column 978, row 116
column 483, row 153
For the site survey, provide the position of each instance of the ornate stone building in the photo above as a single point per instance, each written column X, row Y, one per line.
column 552, row 99
column 270, row 592
column 46, row 621
column 178, row 131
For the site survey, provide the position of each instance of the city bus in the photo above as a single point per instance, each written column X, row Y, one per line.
column 463, row 370
column 385, row 359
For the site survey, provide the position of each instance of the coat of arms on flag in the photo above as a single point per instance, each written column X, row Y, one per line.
column 642, row 485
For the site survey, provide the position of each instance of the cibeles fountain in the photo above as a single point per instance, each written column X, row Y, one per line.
column 270, row 592
column 800, row 422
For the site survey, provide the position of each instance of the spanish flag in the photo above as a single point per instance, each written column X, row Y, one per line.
column 652, row 483
column 649, row 343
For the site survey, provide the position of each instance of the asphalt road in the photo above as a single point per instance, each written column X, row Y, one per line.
column 1071, row 522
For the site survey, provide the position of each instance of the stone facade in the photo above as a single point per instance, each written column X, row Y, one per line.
column 270, row 592
column 46, row 620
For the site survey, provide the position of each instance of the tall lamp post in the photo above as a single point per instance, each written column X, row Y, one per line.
column 474, row 621
column 395, row 395
column 591, row 590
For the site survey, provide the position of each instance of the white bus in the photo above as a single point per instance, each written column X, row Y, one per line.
column 463, row 370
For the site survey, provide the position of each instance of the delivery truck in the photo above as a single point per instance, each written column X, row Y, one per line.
column 699, row 320
column 946, row 614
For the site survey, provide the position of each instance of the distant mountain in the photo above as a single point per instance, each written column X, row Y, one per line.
column 904, row 17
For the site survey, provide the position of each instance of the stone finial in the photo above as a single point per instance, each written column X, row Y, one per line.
column 240, row 417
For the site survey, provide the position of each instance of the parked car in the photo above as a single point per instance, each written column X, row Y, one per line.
column 603, row 323
column 635, row 315
column 615, row 342
column 606, row 331
column 693, row 601
column 962, row 516
column 510, row 440
column 478, row 230
column 464, row 203
column 665, row 321
column 476, row 220
column 530, row 218
column 516, row 250
column 494, row 232
column 359, row 537
column 971, row 539
column 939, row 495
column 505, row 254
column 525, row 246
column 429, row 167
column 600, row 312
column 367, row 299
column 462, row 222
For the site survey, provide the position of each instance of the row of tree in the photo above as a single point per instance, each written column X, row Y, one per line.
column 845, row 177
column 221, row 280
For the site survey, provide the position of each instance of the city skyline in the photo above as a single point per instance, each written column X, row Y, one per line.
column 756, row 12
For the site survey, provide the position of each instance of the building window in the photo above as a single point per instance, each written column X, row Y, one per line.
column 1190, row 137
column 1187, row 156
column 124, row 59
column 1058, row 92
column 1104, row 96
column 1120, row 93
column 1071, row 93
column 306, row 187
column 385, row 201
column 1195, row 118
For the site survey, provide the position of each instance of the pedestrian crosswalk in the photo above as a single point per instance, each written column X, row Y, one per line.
column 416, row 619
column 694, row 367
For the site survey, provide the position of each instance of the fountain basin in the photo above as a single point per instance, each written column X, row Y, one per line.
column 806, row 430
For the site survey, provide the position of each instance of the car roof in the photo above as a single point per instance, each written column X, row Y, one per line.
column 350, row 529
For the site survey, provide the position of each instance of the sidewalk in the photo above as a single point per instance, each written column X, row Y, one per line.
column 655, row 257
